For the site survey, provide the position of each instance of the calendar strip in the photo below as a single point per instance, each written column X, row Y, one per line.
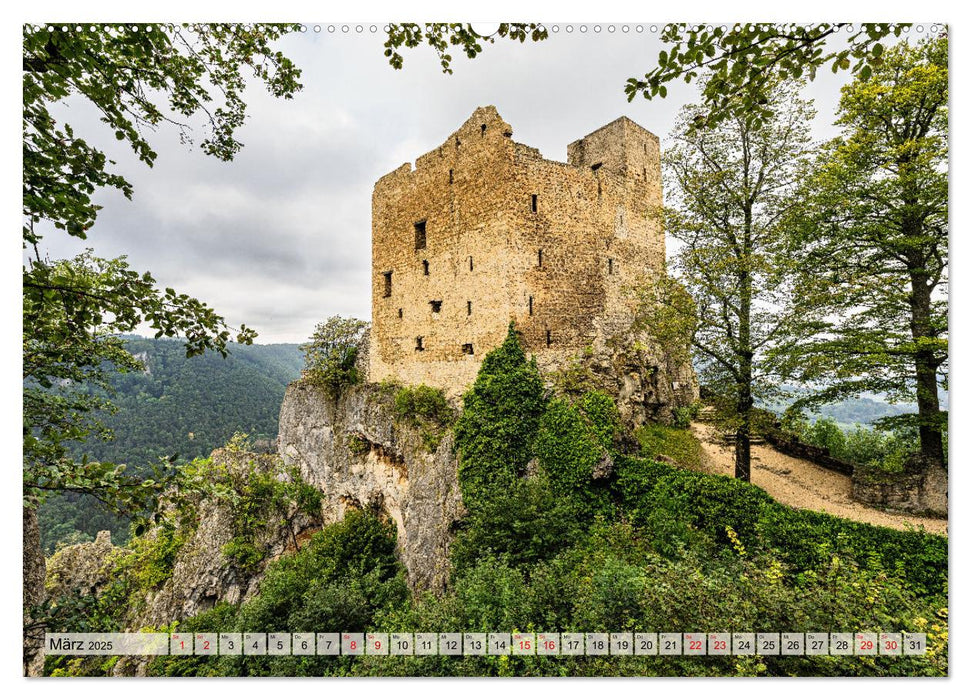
column 524, row 644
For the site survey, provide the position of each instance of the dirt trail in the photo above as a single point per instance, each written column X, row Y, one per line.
column 802, row 484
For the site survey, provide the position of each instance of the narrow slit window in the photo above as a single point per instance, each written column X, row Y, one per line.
column 401, row 313
column 451, row 176
column 470, row 263
column 533, row 201
column 457, row 142
column 596, row 166
column 436, row 306
column 419, row 343
column 467, row 349
column 645, row 173
column 468, row 308
column 610, row 266
column 424, row 266
column 539, row 258
column 387, row 284
column 531, row 306
column 483, row 128
column 549, row 338
column 420, row 238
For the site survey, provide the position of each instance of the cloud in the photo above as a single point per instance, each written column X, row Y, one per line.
column 280, row 237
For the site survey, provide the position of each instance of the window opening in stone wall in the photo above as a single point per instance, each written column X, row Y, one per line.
column 549, row 338
column 424, row 266
column 419, row 343
column 470, row 263
column 468, row 308
column 467, row 348
column 532, row 202
column 457, row 142
column 483, row 127
column 436, row 306
column 420, row 239
column 401, row 313
column 451, row 176
column 596, row 166
column 387, row 284
column 645, row 173
column 610, row 266
column 531, row 306
column 539, row 258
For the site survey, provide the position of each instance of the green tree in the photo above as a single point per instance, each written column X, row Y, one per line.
column 741, row 64
column 331, row 355
column 875, row 231
column 730, row 186
column 138, row 77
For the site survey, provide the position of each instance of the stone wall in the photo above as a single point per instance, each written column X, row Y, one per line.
column 921, row 488
column 484, row 231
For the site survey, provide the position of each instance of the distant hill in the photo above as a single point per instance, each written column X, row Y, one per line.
column 178, row 407
column 862, row 410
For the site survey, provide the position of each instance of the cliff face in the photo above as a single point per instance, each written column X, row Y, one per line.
column 201, row 574
column 358, row 456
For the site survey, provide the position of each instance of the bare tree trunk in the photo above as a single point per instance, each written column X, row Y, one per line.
column 34, row 572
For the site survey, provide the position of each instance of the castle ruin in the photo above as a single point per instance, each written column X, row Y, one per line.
column 484, row 231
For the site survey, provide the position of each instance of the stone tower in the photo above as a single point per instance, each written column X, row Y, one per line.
column 483, row 231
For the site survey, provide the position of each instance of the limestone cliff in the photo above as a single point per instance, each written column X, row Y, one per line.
column 358, row 455
column 201, row 573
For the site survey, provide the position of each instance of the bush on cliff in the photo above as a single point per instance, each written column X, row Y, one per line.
column 331, row 355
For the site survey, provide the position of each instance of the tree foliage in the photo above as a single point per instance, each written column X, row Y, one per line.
column 74, row 309
column 126, row 72
column 731, row 187
column 874, row 228
column 741, row 64
column 440, row 36
column 331, row 355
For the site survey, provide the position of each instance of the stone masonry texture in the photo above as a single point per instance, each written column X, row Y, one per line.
column 483, row 231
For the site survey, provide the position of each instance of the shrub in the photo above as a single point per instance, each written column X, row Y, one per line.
column 331, row 355
column 524, row 523
column 683, row 415
column 677, row 444
column 500, row 415
column 426, row 409
column 825, row 432
column 339, row 580
column 571, row 441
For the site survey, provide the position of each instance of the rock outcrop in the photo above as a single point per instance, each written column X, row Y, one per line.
column 202, row 573
column 359, row 456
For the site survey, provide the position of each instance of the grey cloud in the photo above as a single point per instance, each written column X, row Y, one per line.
column 280, row 237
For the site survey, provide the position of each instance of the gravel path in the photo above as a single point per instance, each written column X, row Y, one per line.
column 802, row 484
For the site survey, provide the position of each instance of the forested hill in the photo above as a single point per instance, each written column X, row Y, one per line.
column 190, row 406
column 178, row 407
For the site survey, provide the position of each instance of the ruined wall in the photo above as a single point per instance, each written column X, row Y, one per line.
column 485, row 230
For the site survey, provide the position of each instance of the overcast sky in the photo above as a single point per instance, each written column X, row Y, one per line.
column 279, row 238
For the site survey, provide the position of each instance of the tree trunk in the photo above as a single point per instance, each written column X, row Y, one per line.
column 743, row 452
column 925, row 365
column 34, row 572
column 743, row 436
